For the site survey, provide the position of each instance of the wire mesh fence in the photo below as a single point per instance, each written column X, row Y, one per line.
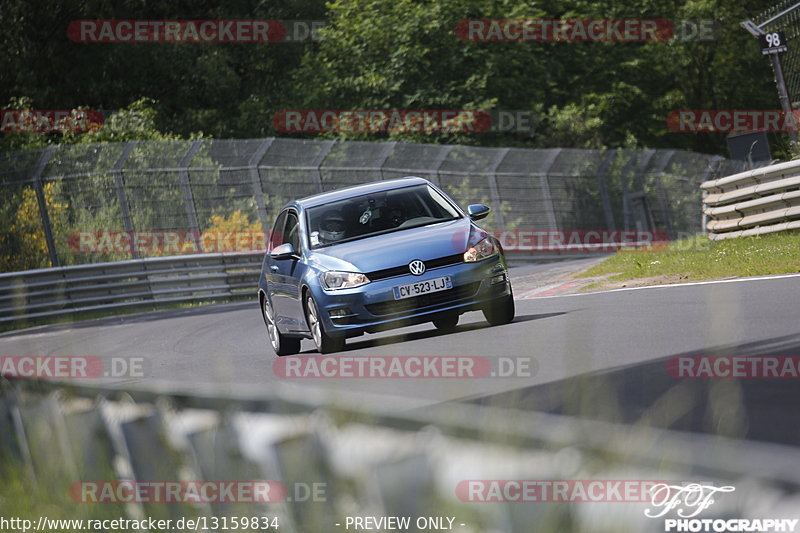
column 56, row 196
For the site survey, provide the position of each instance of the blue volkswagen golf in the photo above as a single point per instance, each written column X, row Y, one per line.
column 374, row 257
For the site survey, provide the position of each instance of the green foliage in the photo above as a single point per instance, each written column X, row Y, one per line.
column 390, row 54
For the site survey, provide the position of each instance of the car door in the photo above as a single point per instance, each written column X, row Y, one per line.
column 284, row 275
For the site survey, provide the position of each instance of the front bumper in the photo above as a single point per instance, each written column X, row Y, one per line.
column 372, row 307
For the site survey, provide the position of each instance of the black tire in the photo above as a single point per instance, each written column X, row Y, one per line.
column 500, row 312
column 447, row 322
column 324, row 342
column 281, row 344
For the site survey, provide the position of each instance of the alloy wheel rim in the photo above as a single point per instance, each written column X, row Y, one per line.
column 313, row 323
column 272, row 329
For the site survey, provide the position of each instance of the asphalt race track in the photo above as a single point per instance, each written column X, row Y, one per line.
column 599, row 355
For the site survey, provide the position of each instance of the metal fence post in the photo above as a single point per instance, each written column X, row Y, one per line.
column 122, row 198
column 385, row 153
column 662, row 194
column 188, row 197
column 623, row 182
column 640, row 195
column 319, row 159
column 42, row 201
column 493, row 189
column 544, row 183
column 603, row 189
column 255, row 180
column 437, row 164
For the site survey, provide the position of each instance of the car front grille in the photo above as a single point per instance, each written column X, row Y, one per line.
column 403, row 269
column 426, row 301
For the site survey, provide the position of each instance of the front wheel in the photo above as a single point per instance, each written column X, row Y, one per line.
column 324, row 342
column 281, row 344
column 446, row 323
column 500, row 312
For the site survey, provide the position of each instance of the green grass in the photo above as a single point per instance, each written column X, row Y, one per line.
column 698, row 258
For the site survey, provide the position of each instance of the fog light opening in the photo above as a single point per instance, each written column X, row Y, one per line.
column 339, row 313
column 500, row 278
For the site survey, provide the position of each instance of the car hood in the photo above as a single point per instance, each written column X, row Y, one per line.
column 395, row 249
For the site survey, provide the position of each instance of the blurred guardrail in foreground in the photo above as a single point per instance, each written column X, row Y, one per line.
column 351, row 458
column 196, row 186
column 153, row 282
column 755, row 202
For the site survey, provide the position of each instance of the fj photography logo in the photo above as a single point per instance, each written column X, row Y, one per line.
column 194, row 31
column 72, row 367
column 586, row 30
column 689, row 500
column 405, row 121
column 404, row 367
column 50, row 120
column 732, row 120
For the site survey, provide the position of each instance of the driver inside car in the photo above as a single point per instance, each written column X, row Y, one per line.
column 332, row 228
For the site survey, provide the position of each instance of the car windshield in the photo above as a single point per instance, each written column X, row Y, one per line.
column 377, row 213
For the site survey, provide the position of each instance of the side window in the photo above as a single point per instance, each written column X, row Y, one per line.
column 276, row 237
column 292, row 232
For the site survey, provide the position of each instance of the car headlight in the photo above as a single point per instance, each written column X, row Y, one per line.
column 484, row 249
column 334, row 280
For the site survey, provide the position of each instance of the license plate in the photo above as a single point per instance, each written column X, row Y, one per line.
column 422, row 287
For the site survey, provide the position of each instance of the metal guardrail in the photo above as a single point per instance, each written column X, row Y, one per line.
column 755, row 202
column 136, row 283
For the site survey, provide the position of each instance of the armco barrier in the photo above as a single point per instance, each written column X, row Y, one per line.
column 756, row 202
column 131, row 284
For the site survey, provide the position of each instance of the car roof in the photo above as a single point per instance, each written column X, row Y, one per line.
column 357, row 190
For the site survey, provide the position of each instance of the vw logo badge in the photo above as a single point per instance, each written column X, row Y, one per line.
column 416, row 267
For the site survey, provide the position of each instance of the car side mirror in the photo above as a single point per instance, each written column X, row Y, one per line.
column 478, row 211
column 284, row 251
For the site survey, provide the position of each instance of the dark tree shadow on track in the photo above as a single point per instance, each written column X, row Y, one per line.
column 766, row 409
